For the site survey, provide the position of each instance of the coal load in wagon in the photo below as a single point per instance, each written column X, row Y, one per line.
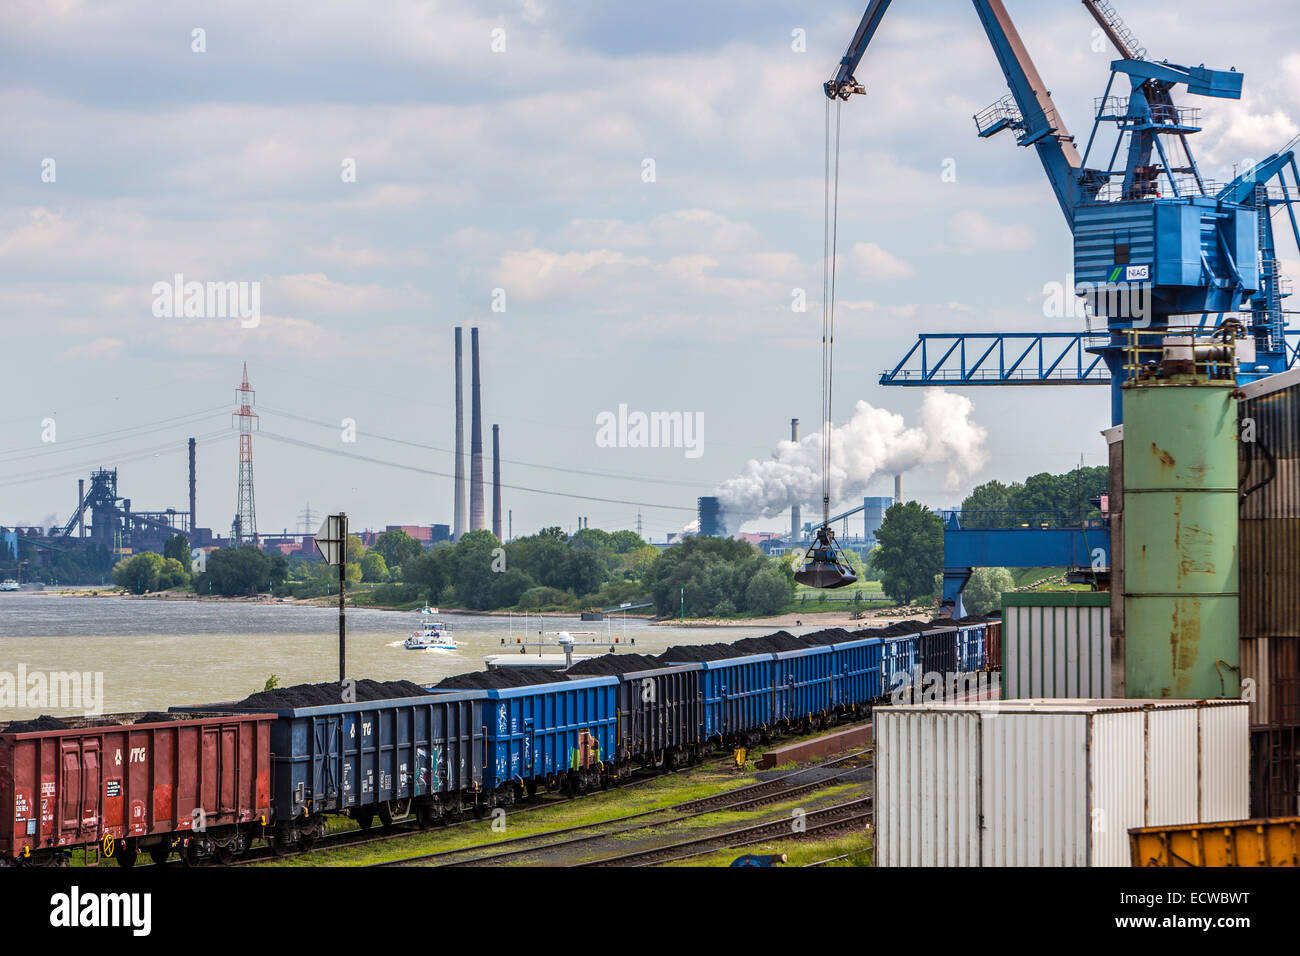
column 501, row 679
column 968, row 619
column 613, row 664
column 769, row 644
column 43, row 722
column 830, row 635
column 325, row 695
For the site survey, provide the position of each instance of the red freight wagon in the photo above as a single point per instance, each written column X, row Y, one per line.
column 993, row 645
column 199, row 783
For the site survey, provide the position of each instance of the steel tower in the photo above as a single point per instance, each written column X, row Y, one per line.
column 245, row 529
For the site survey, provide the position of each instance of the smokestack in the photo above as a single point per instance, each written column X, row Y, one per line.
column 476, row 519
column 458, row 493
column 794, row 509
column 81, row 508
column 496, row 481
column 193, row 485
column 898, row 488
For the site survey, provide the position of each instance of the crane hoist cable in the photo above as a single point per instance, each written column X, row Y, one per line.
column 826, row 565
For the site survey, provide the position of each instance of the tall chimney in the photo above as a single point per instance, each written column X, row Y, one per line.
column 81, row 508
column 496, row 481
column 193, row 485
column 458, row 493
column 794, row 509
column 898, row 488
column 476, row 517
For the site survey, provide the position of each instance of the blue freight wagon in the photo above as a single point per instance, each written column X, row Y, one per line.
column 897, row 664
column 936, row 652
column 971, row 652
column 383, row 758
column 856, row 674
column 801, row 686
column 659, row 715
column 737, row 699
column 556, row 735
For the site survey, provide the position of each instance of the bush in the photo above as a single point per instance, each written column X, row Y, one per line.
column 396, row 594
column 770, row 590
column 723, row 608
column 534, row 599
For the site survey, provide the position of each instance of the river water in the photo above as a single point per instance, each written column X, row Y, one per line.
column 153, row 654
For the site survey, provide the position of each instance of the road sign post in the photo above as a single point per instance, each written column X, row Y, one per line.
column 332, row 543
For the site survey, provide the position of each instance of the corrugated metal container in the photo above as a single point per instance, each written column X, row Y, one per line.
column 1275, row 771
column 1273, row 665
column 737, row 696
column 1056, row 644
column 1269, row 468
column 971, row 640
column 1051, row 782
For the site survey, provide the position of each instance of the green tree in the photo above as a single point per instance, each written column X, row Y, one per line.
column 355, row 549
column 911, row 551
column 173, row 574
column 471, row 569
column 238, row 571
column 397, row 547
column 178, row 547
column 625, row 542
column 770, row 589
column 983, row 592
column 430, row 571
column 139, row 573
column 706, row 571
column 373, row 567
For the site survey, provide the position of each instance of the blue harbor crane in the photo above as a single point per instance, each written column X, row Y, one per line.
column 1155, row 243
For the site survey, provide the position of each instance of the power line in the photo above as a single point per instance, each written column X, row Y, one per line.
column 442, row 474
column 99, row 438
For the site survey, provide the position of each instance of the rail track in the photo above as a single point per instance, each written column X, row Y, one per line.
column 837, row 817
column 744, row 798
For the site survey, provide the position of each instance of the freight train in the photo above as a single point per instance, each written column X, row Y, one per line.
column 204, row 783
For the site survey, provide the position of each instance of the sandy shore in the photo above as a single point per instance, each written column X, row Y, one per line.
column 844, row 619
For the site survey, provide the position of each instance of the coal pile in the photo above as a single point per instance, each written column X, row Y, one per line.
column 613, row 664
column 968, row 619
column 770, row 644
column 503, row 678
column 43, row 722
column 324, row 695
column 830, row 635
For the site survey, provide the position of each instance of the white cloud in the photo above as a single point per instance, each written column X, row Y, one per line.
column 874, row 262
column 972, row 231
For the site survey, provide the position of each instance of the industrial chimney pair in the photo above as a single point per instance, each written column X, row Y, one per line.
column 476, row 516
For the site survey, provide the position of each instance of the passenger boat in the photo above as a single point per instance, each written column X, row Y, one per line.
column 431, row 635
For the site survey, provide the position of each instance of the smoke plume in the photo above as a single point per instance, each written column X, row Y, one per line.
column 872, row 442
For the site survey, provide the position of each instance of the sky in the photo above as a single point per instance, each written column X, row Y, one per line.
column 386, row 171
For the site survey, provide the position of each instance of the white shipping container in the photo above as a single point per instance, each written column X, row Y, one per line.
column 1056, row 648
column 1051, row 782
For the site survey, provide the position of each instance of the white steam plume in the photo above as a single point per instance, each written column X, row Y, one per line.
column 872, row 442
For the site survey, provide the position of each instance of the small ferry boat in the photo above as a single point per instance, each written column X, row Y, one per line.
column 432, row 635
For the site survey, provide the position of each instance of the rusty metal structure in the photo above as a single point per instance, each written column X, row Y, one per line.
column 1269, row 464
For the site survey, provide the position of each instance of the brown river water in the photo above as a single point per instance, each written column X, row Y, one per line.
column 149, row 655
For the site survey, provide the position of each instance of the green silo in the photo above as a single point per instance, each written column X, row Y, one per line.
column 1180, row 536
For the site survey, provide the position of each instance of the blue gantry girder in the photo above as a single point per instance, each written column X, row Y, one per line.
column 1002, row 358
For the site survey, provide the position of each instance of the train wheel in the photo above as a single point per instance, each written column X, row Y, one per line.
column 425, row 816
column 385, row 811
column 278, row 845
column 126, row 857
column 191, row 854
column 531, row 786
column 365, row 818
column 226, row 854
column 159, row 854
